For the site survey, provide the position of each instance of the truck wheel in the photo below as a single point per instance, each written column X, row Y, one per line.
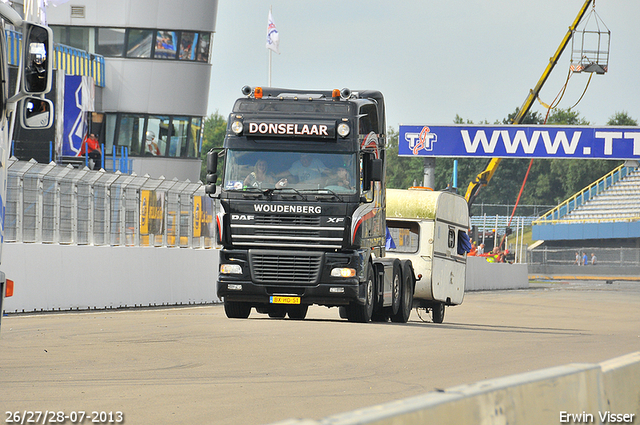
column 406, row 297
column 437, row 313
column 237, row 310
column 396, row 290
column 363, row 313
column 297, row 312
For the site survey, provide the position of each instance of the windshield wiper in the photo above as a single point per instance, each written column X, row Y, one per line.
column 331, row 195
column 297, row 192
column 252, row 192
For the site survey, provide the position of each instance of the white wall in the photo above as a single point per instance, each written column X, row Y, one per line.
column 482, row 276
column 65, row 277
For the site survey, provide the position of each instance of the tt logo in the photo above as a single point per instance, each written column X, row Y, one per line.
column 336, row 219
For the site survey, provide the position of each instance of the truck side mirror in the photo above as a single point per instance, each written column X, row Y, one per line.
column 376, row 170
column 212, row 162
column 212, row 176
column 36, row 113
column 37, row 66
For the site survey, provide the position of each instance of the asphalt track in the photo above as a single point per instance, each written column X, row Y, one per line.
column 193, row 365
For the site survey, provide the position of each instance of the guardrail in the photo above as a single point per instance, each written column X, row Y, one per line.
column 581, row 197
column 607, row 392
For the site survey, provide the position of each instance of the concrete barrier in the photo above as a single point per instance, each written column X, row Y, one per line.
column 485, row 276
column 586, row 393
column 69, row 277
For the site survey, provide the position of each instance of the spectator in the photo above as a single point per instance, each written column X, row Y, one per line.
column 91, row 147
column 577, row 261
column 480, row 249
column 594, row 259
column 585, row 260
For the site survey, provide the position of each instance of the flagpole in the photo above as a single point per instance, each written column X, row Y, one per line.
column 269, row 85
column 270, row 52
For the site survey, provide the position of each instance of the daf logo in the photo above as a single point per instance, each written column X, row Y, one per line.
column 336, row 219
column 242, row 217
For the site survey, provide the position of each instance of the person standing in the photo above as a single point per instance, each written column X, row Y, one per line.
column 91, row 147
column 585, row 260
column 594, row 259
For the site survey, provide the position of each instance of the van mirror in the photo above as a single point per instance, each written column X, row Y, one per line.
column 36, row 56
column 36, row 113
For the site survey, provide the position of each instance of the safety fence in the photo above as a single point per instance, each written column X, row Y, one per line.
column 613, row 257
column 52, row 204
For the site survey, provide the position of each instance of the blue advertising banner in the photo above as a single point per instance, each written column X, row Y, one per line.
column 519, row 141
column 78, row 101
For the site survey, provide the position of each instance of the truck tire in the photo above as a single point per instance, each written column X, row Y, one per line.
column 297, row 312
column 362, row 312
column 406, row 297
column 437, row 313
column 396, row 290
column 237, row 310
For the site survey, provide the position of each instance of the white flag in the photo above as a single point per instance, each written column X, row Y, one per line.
column 273, row 38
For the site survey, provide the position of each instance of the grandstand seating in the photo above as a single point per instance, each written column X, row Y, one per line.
column 621, row 201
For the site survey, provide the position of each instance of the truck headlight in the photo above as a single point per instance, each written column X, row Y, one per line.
column 343, row 129
column 230, row 269
column 237, row 127
column 343, row 272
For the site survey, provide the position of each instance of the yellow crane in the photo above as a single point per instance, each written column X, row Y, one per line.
column 483, row 178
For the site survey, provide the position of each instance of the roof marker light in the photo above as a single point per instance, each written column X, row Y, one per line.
column 335, row 94
column 257, row 92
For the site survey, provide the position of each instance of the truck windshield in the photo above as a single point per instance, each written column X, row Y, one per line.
column 290, row 170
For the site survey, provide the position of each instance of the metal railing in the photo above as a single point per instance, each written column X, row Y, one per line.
column 583, row 196
column 613, row 257
column 48, row 203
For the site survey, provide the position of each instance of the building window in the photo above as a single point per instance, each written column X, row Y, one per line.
column 110, row 42
column 179, row 136
column 139, row 43
column 130, row 133
column 166, row 42
column 153, row 135
column 203, row 47
column 188, row 45
column 157, row 135
column 193, row 142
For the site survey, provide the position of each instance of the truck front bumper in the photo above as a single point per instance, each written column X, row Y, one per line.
column 265, row 273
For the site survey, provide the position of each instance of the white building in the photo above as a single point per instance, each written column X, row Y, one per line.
column 157, row 77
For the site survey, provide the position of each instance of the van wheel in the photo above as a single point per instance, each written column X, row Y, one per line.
column 297, row 312
column 363, row 313
column 437, row 313
column 406, row 297
column 237, row 310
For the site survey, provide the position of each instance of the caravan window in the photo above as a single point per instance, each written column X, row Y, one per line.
column 403, row 236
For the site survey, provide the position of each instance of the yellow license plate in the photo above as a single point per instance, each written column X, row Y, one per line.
column 284, row 300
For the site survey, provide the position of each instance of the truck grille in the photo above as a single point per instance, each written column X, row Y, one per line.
column 282, row 267
column 280, row 231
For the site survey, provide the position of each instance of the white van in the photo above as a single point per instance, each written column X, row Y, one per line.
column 426, row 227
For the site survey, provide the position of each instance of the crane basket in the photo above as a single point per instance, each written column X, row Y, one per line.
column 590, row 45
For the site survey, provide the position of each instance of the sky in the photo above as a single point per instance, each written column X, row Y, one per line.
column 431, row 59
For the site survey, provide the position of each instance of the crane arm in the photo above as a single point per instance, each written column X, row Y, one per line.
column 483, row 178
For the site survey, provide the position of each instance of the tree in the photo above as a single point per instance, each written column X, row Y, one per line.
column 215, row 127
column 621, row 118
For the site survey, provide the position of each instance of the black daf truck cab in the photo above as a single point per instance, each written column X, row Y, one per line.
column 302, row 207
